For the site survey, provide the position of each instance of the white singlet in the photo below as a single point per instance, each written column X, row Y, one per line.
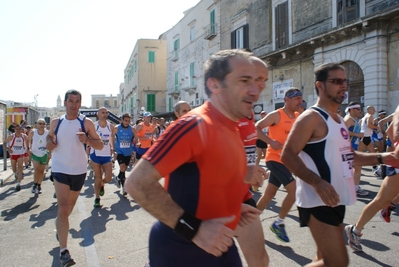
column 332, row 159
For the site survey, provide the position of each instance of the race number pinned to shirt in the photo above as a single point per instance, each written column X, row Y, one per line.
column 125, row 144
column 250, row 151
column 347, row 164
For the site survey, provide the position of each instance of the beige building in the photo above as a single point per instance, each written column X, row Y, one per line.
column 144, row 87
column 189, row 44
column 111, row 102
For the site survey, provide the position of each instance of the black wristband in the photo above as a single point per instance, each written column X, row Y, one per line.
column 187, row 226
column 379, row 158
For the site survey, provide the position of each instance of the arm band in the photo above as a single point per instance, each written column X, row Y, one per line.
column 379, row 158
column 187, row 226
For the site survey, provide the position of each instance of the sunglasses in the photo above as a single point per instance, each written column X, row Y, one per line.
column 41, row 123
column 338, row 81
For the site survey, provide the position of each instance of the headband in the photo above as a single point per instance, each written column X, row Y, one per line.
column 382, row 113
column 350, row 107
column 294, row 94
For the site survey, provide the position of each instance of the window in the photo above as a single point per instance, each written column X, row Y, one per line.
column 192, row 74
column 106, row 103
column 213, row 26
column 151, row 57
column 192, row 33
column 176, row 47
column 240, row 38
column 97, row 103
column 281, row 16
column 170, row 104
column 347, row 10
column 176, row 81
column 151, row 102
column 115, row 103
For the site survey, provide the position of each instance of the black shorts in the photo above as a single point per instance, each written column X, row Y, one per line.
column 366, row 140
column 261, row 144
column 75, row 182
column 328, row 215
column 122, row 159
column 279, row 174
column 250, row 202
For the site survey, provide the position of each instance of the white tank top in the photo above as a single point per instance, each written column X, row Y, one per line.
column 105, row 135
column 364, row 128
column 69, row 156
column 39, row 143
column 18, row 146
column 332, row 159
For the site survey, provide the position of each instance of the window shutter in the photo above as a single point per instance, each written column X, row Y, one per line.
column 151, row 102
column 246, row 36
column 233, row 39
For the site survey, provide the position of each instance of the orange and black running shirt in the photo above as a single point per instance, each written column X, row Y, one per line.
column 203, row 161
column 279, row 132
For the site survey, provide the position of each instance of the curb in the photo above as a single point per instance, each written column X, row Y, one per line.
column 3, row 180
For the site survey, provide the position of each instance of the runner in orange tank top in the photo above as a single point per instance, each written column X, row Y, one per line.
column 279, row 122
column 144, row 132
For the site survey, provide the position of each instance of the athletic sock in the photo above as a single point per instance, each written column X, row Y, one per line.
column 122, row 177
column 356, row 231
column 279, row 221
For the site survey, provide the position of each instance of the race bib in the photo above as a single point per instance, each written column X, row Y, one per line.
column 106, row 142
column 125, row 144
column 347, row 164
column 250, row 152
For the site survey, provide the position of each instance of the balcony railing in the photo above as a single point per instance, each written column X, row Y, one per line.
column 210, row 31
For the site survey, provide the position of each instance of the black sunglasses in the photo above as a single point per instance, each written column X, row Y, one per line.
column 338, row 81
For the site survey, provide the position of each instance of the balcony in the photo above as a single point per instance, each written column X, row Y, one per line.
column 210, row 31
column 175, row 55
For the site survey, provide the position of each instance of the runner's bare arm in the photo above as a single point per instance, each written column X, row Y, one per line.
column 93, row 139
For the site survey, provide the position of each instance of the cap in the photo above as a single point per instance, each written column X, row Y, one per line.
column 147, row 114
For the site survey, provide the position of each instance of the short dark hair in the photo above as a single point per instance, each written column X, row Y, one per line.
column 126, row 115
column 72, row 92
column 218, row 65
column 322, row 71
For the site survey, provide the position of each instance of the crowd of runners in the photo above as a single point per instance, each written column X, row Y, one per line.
column 315, row 152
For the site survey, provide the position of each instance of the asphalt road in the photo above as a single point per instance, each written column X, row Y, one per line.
column 117, row 233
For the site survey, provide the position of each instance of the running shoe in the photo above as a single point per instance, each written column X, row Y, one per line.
column 97, row 203
column 38, row 189
column 353, row 239
column 34, row 189
column 66, row 259
column 279, row 230
column 117, row 182
column 18, row 187
column 102, row 191
column 385, row 214
column 361, row 192
column 123, row 192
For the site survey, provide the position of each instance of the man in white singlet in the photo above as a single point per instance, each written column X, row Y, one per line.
column 318, row 151
column 66, row 139
column 38, row 152
column 101, row 160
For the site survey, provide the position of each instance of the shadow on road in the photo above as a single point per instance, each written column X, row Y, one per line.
column 289, row 253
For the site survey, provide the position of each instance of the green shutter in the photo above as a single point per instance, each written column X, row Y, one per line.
column 213, row 27
column 151, row 102
column 192, row 79
column 151, row 56
column 170, row 104
column 176, row 81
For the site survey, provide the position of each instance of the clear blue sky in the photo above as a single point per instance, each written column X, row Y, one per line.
column 50, row 46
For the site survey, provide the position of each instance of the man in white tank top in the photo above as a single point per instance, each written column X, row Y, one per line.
column 319, row 153
column 101, row 160
column 37, row 150
column 66, row 139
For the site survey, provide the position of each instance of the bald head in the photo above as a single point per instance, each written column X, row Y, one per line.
column 181, row 108
column 262, row 73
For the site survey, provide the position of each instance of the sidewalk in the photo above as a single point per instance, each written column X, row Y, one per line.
column 5, row 174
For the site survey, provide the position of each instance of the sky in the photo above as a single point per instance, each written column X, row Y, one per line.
column 50, row 46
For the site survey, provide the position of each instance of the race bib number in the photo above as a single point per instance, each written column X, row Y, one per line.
column 347, row 164
column 125, row 144
column 250, row 151
column 106, row 142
